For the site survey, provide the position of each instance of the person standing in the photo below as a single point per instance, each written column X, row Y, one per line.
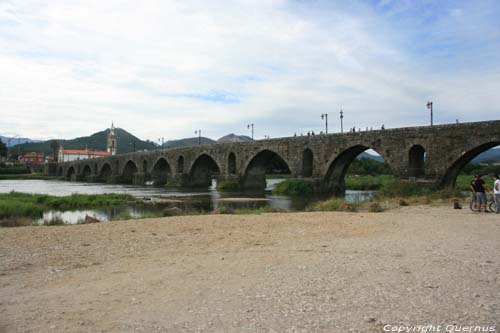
column 480, row 189
column 473, row 191
column 496, row 193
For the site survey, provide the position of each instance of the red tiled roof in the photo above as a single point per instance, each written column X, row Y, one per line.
column 86, row 152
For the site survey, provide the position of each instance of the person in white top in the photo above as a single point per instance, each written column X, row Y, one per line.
column 496, row 192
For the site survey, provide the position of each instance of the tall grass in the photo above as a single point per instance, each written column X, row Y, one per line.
column 368, row 182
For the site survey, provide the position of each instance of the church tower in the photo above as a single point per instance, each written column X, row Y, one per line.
column 111, row 145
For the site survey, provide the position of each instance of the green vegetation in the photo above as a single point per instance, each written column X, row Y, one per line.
column 369, row 166
column 29, row 176
column 15, row 205
column 294, row 187
column 14, row 171
column 228, row 185
column 368, row 182
column 258, row 211
column 335, row 205
column 97, row 141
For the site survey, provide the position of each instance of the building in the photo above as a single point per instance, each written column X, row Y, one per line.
column 111, row 144
column 32, row 158
column 67, row 155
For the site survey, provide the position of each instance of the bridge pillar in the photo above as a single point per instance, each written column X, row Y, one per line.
column 138, row 178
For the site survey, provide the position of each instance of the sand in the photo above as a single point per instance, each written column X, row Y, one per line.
column 296, row 272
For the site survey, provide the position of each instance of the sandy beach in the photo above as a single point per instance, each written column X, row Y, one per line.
column 295, row 272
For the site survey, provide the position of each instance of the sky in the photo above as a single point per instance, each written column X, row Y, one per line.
column 168, row 68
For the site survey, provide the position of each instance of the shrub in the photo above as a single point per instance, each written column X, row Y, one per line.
column 228, row 185
column 375, row 207
column 403, row 189
column 294, row 187
column 335, row 204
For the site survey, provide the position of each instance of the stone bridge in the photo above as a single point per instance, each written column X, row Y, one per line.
column 432, row 153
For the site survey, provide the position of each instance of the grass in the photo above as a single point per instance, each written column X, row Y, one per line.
column 28, row 176
column 16, row 205
column 258, row 211
column 228, row 185
column 294, row 188
column 335, row 205
column 367, row 182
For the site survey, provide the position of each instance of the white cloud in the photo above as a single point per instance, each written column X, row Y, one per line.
column 155, row 68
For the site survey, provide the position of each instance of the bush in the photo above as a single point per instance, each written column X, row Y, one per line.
column 14, row 171
column 228, row 185
column 375, row 208
column 14, row 209
column 368, row 183
column 403, row 189
column 294, row 187
column 335, row 205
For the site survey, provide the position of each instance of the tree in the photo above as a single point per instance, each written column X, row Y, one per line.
column 3, row 149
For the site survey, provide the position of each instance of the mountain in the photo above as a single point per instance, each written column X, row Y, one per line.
column 234, row 138
column 489, row 156
column 364, row 154
column 188, row 142
column 15, row 141
column 125, row 143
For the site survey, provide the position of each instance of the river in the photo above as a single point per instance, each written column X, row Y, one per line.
column 200, row 200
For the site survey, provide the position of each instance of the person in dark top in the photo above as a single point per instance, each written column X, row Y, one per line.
column 480, row 190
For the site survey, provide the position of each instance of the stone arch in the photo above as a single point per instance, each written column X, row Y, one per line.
column 180, row 164
column 129, row 171
column 161, row 171
column 231, row 164
column 262, row 163
column 416, row 161
column 452, row 172
column 202, row 170
column 307, row 163
column 70, row 173
column 86, row 172
column 334, row 180
column 106, row 172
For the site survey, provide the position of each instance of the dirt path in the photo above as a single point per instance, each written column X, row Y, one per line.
column 326, row 272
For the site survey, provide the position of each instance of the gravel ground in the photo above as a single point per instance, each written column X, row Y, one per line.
column 296, row 272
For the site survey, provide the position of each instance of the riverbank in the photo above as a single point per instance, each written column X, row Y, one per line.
column 321, row 271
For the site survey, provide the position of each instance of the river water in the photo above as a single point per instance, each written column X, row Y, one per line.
column 204, row 200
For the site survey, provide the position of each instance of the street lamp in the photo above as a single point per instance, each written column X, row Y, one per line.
column 341, row 121
column 199, row 136
column 429, row 106
column 250, row 126
column 325, row 116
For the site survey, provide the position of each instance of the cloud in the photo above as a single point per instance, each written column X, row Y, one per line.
column 167, row 68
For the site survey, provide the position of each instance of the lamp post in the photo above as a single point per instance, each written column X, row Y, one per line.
column 162, row 140
column 429, row 106
column 250, row 126
column 341, row 121
column 199, row 136
column 325, row 116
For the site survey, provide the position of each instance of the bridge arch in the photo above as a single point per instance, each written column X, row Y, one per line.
column 307, row 162
column 264, row 162
column 202, row 170
column 105, row 172
column 452, row 172
column 129, row 170
column 231, row 163
column 86, row 172
column 161, row 171
column 416, row 161
column 70, row 172
column 334, row 179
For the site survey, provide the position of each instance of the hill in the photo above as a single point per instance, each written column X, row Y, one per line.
column 15, row 141
column 125, row 143
column 489, row 156
column 234, row 138
column 188, row 142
